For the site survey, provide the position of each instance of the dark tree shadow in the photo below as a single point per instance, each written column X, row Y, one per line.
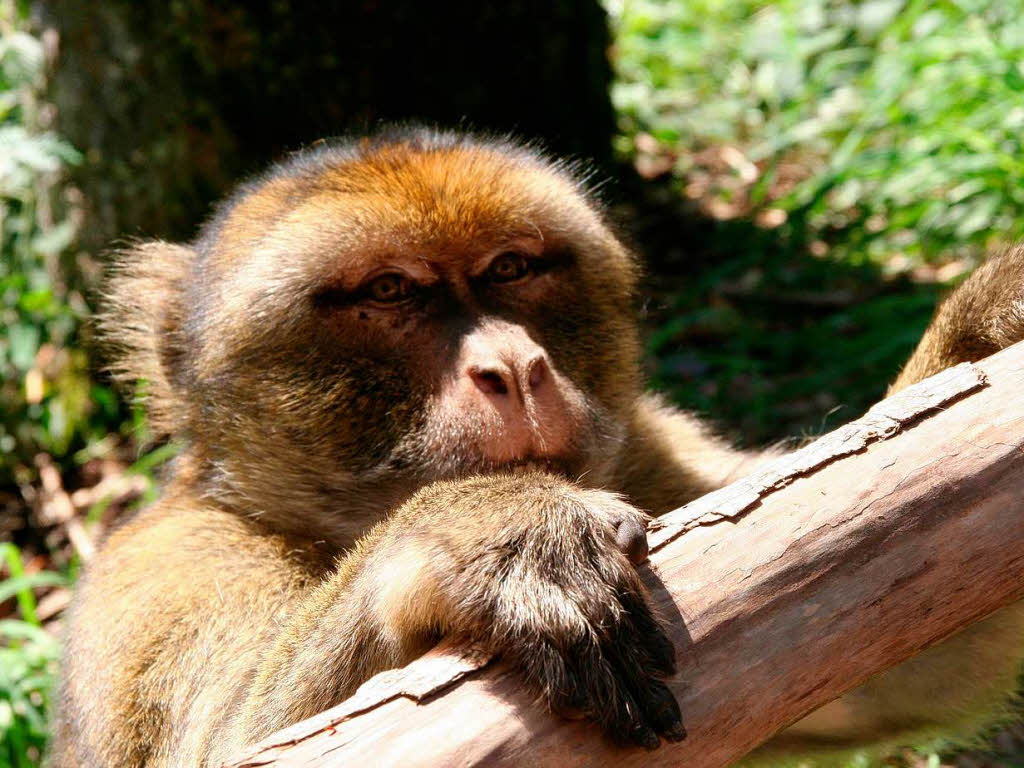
column 746, row 326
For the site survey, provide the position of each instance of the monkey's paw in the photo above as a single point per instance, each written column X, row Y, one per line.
column 566, row 606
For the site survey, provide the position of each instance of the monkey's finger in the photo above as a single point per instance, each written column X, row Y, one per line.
column 627, row 724
column 631, row 539
column 611, row 702
column 661, row 710
column 659, row 652
column 657, row 703
column 546, row 669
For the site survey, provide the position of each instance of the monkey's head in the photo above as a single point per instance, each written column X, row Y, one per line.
column 374, row 315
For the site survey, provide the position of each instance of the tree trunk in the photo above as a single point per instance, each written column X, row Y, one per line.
column 172, row 103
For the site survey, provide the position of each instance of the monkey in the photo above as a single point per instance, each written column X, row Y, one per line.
column 404, row 372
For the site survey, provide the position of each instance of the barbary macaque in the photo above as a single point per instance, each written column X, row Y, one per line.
column 405, row 375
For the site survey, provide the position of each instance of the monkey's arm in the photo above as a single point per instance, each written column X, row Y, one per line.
column 196, row 631
column 168, row 622
column 225, row 634
column 982, row 316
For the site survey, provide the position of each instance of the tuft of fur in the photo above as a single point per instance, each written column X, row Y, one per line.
column 142, row 322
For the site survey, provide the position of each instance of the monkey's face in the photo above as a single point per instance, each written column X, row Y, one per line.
column 404, row 314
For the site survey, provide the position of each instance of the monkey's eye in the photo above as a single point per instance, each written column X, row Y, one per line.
column 391, row 288
column 508, row 268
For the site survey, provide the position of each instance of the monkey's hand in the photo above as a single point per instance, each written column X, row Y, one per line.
column 539, row 570
column 528, row 565
column 982, row 316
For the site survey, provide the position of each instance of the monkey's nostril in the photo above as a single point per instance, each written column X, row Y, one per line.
column 538, row 371
column 488, row 381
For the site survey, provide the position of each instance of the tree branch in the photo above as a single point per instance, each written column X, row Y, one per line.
column 788, row 588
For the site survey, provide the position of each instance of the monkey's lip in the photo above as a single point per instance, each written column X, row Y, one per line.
column 552, row 465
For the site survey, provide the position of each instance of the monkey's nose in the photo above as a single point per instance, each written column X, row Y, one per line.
column 499, row 379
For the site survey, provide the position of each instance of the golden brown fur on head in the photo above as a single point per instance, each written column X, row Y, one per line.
column 290, row 390
column 144, row 323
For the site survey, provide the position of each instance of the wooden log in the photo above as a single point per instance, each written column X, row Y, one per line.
column 788, row 588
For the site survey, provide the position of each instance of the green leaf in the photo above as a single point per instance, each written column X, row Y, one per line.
column 11, row 587
column 24, row 343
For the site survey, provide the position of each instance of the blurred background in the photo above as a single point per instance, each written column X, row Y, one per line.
column 804, row 180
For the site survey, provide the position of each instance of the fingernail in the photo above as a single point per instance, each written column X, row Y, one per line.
column 648, row 739
column 675, row 732
column 632, row 540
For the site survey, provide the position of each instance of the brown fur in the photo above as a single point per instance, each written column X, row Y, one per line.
column 334, row 512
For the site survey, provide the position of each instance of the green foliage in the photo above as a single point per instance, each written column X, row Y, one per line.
column 49, row 401
column 832, row 144
column 882, row 127
column 28, row 662
column 772, row 346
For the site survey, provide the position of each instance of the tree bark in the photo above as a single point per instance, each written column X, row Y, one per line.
column 788, row 588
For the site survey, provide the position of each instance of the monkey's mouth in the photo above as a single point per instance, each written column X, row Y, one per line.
column 559, row 465
column 448, row 446
column 461, row 463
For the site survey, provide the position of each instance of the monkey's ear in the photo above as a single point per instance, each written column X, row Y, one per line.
column 142, row 320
